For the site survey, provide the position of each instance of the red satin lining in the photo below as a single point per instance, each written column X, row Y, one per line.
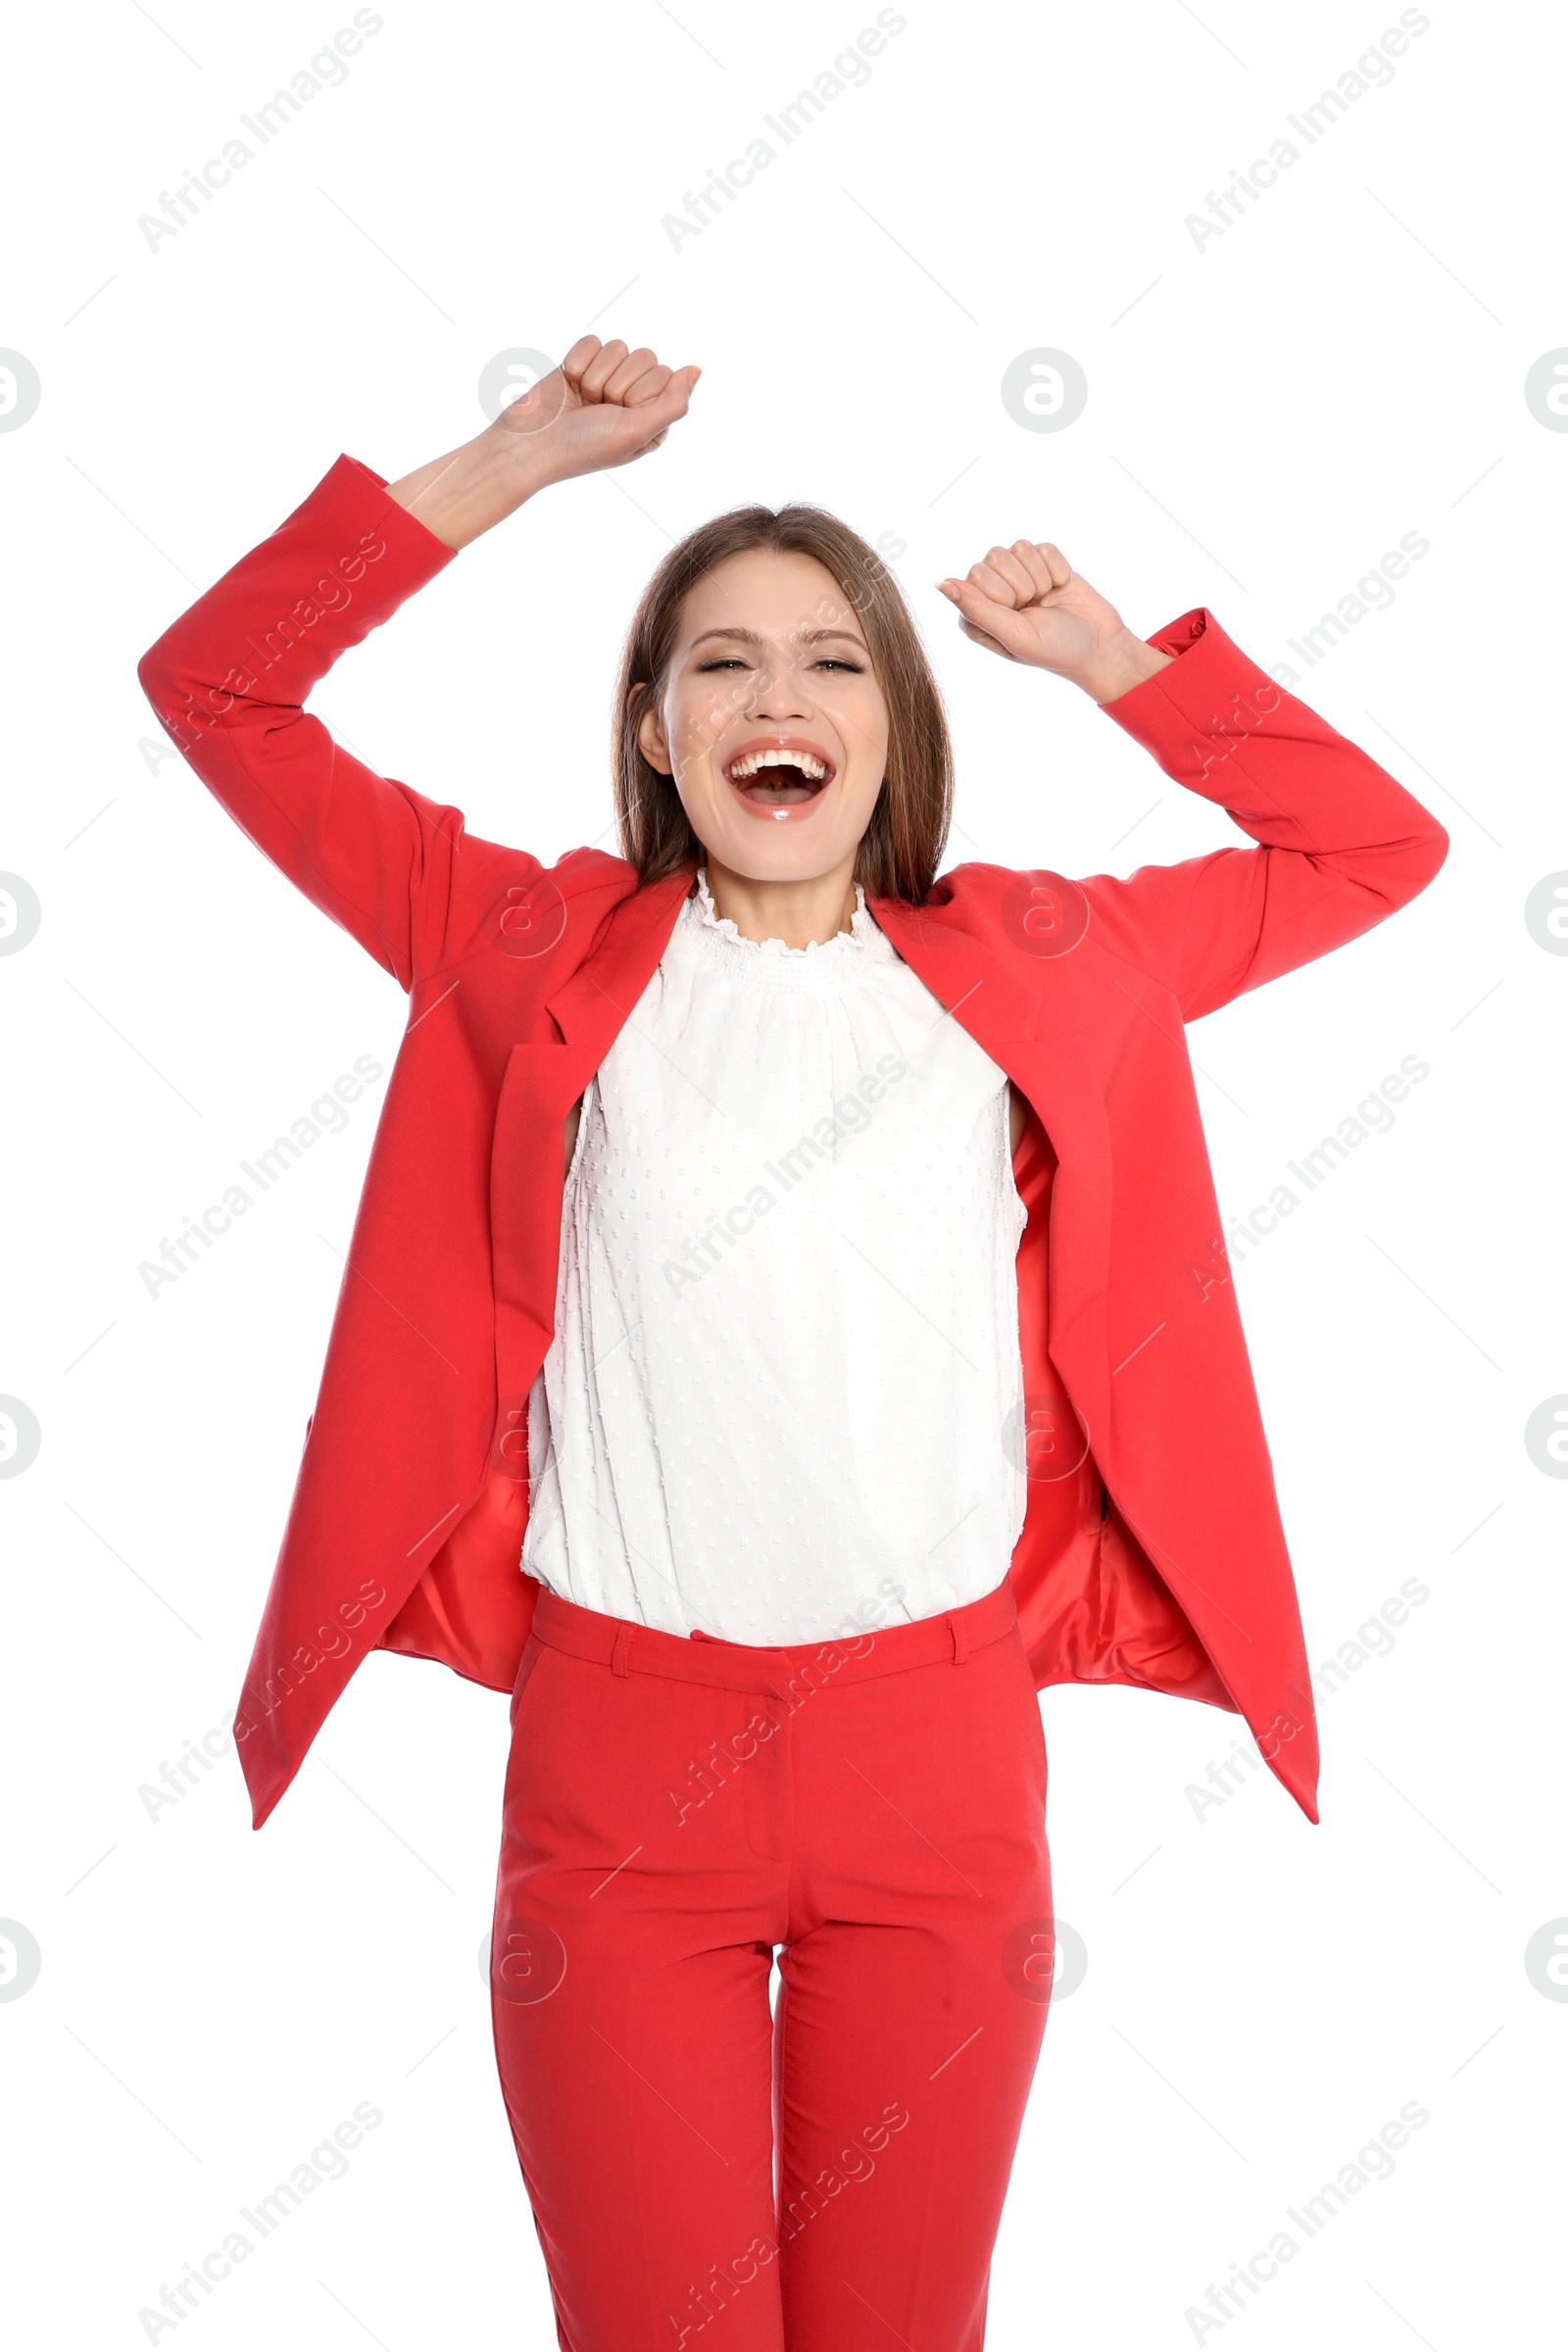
column 472, row 1608
column 1091, row 1606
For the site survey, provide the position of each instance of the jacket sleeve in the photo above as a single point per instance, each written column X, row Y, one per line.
column 1341, row 843
column 228, row 679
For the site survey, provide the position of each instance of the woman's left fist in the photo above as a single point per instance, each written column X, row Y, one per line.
column 1026, row 603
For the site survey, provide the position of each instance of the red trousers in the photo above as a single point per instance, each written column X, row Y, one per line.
column 675, row 1809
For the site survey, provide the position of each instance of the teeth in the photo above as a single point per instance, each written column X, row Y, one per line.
column 807, row 761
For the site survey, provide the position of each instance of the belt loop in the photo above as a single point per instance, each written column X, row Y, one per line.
column 620, row 1656
column 960, row 1647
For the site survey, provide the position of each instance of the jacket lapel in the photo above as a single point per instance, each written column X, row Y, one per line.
column 541, row 1083
column 591, row 1008
column 1030, row 1029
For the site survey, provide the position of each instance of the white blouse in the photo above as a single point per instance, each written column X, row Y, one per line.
column 776, row 1406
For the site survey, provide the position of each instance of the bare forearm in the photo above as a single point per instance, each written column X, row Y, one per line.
column 472, row 488
column 1124, row 664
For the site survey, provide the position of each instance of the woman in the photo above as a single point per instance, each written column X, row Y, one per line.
column 786, row 1326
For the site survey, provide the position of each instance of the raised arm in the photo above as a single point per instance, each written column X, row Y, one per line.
column 229, row 679
column 1341, row 842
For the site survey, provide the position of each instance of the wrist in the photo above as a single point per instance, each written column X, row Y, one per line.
column 473, row 487
column 1124, row 663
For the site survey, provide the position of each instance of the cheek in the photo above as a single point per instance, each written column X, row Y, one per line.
column 703, row 708
column 863, row 729
column 699, row 786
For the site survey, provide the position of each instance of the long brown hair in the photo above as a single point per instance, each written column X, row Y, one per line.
column 901, row 846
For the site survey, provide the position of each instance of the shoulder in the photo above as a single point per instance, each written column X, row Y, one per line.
column 504, row 896
column 970, row 888
column 1005, row 902
column 588, row 873
column 575, row 897
column 585, row 873
column 976, row 894
column 1034, row 912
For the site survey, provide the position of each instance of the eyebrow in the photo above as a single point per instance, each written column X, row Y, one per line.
column 804, row 637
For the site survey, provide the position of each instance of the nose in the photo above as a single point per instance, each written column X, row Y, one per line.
column 780, row 691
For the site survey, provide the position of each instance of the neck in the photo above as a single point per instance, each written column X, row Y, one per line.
column 802, row 914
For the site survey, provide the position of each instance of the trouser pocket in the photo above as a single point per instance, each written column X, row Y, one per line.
column 533, row 1649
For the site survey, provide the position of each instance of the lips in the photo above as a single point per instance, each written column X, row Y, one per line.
column 779, row 771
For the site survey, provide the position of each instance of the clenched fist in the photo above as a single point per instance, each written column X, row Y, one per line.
column 603, row 406
column 1027, row 604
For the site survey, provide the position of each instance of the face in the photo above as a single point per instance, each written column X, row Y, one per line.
column 771, row 720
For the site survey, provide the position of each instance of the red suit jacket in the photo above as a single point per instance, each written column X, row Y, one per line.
column 1151, row 1551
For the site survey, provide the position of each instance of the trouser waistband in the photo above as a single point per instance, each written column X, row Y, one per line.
column 628, row 1649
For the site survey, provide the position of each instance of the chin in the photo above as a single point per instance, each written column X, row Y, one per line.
column 790, row 855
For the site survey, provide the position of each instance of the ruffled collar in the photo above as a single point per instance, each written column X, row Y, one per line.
column 716, row 937
column 863, row 932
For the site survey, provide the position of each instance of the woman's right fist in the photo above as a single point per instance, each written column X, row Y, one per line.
column 602, row 406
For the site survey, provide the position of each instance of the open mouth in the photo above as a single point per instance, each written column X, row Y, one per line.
column 779, row 775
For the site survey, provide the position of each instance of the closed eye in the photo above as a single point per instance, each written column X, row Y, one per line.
column 827, row 661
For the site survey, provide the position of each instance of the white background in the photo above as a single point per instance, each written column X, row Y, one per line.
column 1266, row 416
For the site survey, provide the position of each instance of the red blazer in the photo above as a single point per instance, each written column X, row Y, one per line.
column 1151, row 1551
